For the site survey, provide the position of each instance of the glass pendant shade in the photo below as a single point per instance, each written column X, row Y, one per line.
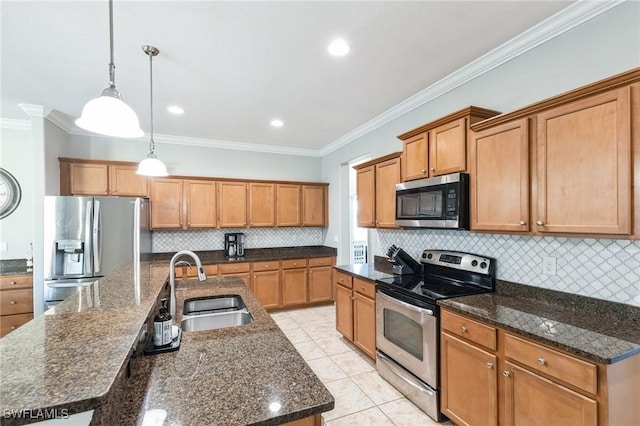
column 151, row 166
column 109, row 115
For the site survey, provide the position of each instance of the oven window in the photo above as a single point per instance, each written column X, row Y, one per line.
column 403, row 332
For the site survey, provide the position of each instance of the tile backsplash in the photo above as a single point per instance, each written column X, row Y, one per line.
column 213, row 239
column 601, row 268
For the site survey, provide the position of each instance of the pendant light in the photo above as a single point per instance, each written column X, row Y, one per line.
column 108, row 114
column 151, row 166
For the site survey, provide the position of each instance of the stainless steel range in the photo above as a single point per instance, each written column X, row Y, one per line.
column 408, row 323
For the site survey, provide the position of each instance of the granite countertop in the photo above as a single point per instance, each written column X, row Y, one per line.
column 365, row 270
column 602, row 331
column 249, row 374
column 254, row 255
column 15, row 267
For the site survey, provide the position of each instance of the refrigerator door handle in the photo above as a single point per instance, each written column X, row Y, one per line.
column 87, row 239
column 97, row 236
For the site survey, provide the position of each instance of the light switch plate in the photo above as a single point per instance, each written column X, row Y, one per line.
column 4, row 247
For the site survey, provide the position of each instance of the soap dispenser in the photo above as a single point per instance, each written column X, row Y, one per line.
column 162, row 325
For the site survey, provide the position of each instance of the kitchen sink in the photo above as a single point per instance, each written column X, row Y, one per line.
column 212, row 304
column 215, row 321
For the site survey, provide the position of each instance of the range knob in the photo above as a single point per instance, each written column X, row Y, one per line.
column 429, row 256
column 424, row 255
column 474, row 263
column 483, row 265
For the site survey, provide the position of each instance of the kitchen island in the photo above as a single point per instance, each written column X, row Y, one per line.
column 86, row 354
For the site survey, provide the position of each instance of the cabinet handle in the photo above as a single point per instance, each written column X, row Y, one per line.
column 362, row 288
column 542, row 361
column 463, row 329
column 523, row 223
column 490, row 365
column 539, row 223
column 506, row 373
column 13, row 302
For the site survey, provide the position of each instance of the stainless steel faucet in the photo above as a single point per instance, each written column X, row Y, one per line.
column 172, row 276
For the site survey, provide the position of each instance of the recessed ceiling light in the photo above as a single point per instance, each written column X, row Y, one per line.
column 277, row 123
column 174, row 109
column 338, row 47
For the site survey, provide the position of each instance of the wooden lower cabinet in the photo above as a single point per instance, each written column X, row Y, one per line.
column 320, row 284
column 294, row 287
column 364, row 324
column 469, row 383
column 344, row 311
column 16, row 302
column 266, row 287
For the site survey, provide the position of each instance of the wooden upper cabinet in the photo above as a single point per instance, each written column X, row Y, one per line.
column 232, row 204
column 89, row 179
column 166, row 203
column 415, row 157
column 584, row 166
column 499, row 168
column 124, row 182
column 387, row 176
column 288, row 207
column 448, row 148
column 200, row 203
column 314, row 205
column 262, row 204
column 366, row 196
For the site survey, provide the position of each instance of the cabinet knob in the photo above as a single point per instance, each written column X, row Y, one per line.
column 13, row 283
column 433, row 169
column 463, row 329
column 489, row 365
column 13, row 327
column 353, row 298
column 13, row 302
column 115, row 191
column 506, row 373
column 539, row 223
column 424, row 171
column 340, row 279
column 523, row 223
column 542, row 361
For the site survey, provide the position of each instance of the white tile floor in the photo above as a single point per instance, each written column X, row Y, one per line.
column 362, row 396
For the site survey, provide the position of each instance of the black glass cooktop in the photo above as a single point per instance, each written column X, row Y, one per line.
column 429, row 287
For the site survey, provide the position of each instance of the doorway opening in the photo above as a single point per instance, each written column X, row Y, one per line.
column 358, row 237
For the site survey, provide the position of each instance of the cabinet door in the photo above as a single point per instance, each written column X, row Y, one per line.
column 288, row 205
column 166, row 203
column 262, row 203
column 266, row 287
column 366, row 195
column 415, row 158
column 294, row 287
column 124, row 182
column 232, row 204
column 469, row 383
column 344, row 311
column 200, row 201
column 500, row 178
column 89, row 179
column 448, row 148
column 387, row 176
column 364, row 324
column 245, row 277
column 313, row 205
column 320, row 284
column 532, row 400
column 584, row 166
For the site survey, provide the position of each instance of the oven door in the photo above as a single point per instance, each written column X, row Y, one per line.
column 408, row 335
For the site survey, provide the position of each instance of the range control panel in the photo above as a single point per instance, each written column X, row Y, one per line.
column 458, row 260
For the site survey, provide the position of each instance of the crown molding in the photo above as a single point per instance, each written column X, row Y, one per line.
column 568, row 18
column 64, row 121
column 33, row 110
column 15, row 124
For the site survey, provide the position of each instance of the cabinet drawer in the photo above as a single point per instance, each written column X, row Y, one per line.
column 320, row 261
column 573, row 371
column 366, row 288
column 11, row 282
column 9, row 323
column 16, row 302
column 209, row 270
column 234, row 268
column 343, row 279
column 273, row 265
column 469, row 329
column 294, row 263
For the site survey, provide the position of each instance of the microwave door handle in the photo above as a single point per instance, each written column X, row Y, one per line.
column 406, row 305
column 87, row 238
column 97, row 236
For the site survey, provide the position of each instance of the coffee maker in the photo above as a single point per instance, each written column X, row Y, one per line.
column 234, row 244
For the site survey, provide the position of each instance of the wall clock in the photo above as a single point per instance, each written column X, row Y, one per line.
column 10, row 193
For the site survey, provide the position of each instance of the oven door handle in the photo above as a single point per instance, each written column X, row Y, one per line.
column 405, row 304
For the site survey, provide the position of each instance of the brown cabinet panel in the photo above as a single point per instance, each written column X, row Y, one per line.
column 320, row 284
column 89, row 179
column 266, row 287
column 469, row 383
column 210, row 270
column 262, row 203
column 234, row 268
column 343, row 279
column 13, row 282
column 387, row 176
column 500, row 178
column 288, row 205
column 200, row 202
column 166, row 203
column 294, row 263
column 232, row 204
column 313, row 205
column 364, row 324
column 16, row 301
column 366, row 196
column 321, row 261
column 344, row 311
column 8, row 323
column 469, row 329
column 270, row 265
column 364, row 287
column 448, row 148
column 124, row 182
column 415, row 158
column 294, row 287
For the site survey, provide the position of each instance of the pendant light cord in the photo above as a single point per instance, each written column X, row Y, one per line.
column 112, row 65
column 152, row 143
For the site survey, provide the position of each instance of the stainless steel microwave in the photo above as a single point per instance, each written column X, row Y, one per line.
column 438, row 202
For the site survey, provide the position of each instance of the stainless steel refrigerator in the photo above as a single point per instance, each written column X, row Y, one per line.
column 86, row 238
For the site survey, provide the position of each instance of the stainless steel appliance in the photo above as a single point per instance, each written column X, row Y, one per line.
column 234, row 244
column 408, row 323
column 438, row 202
column 86, row 238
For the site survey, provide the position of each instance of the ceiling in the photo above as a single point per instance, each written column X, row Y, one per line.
column 234, row 66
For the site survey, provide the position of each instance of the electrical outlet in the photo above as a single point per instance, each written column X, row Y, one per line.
column 549, row 265
column 4, row 247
